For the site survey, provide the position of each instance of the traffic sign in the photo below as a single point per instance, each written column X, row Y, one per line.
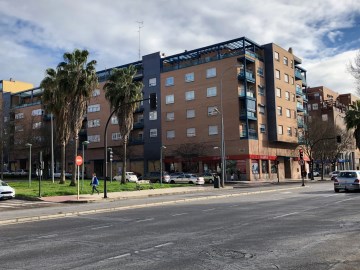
column 78, row 160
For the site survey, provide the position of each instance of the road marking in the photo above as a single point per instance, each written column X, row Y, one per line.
column 180, row 214
column 119, row 256
column 207, row 210
column 143, row 220
column 47, row 236
column 344, row 200
column 100, row 227
column 285, row 215
column 164, row 245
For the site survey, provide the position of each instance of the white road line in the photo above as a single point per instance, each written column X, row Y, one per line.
column 164, row 245
column 143, row 220
column 100, row 227
column 285, row 215
column 7, row 206
column 47, row 236
column 211, row 209
column 120, row 256
column 180, row 214
column 343, row 200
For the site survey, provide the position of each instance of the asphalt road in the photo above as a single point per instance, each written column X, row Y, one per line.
column 302, row 228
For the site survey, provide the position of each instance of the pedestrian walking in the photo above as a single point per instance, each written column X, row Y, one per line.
column 94, row 183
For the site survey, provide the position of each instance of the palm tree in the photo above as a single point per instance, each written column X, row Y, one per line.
column 123, row 92
column 352, row 121
column 66, row 92
column 80, row 79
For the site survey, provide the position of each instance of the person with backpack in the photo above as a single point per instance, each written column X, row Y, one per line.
column 94, row 183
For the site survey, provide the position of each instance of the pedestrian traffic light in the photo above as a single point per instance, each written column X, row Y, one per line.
column 153, row 101
column 338, row 139
column 110, row 154
column 301, row 154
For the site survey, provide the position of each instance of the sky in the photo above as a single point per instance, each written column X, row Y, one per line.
column 35, row 34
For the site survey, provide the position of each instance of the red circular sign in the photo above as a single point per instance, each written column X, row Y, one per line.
column 78, row 160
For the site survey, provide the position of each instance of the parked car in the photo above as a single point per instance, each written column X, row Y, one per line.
column 187, row 178
column 208, row 177
column 129, row 177
column 347, row 180
column 20, row 172
column 6, row 192
column 154, row 177
column 333, row 174
column 67, row 175
column 315, row 173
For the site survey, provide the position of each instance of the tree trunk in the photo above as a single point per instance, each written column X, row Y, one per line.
column 123, row 177
column 73, row 178
column 62, row 175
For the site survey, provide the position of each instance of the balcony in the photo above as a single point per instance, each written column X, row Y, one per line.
column 300, row 123
column 248, row 93
column 250, row 115
column 300, row 107
column 252, row 135
column 135, row 141
column 138, row 125
column 248, row 75
column 299, row 91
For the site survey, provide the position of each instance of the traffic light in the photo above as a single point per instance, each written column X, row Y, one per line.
column 338, row 139
column 110, row 154
column 153, row 101
column 301, row 154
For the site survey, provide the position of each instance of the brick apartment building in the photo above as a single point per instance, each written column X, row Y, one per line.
column 257, row 91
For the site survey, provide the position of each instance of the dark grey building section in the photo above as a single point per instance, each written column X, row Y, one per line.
column 270, row 92
column 152, row 118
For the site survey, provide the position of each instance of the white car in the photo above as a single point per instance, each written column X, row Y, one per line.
column 129, row 177
column 347, row 180
column 187, row 178
column 6, row 192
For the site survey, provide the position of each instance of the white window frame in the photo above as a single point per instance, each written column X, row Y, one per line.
column 213, row 130
column 315, row 106
column 169, row 81
column 37, row 112
column 280, row 130
column 212, row 111
column 170, row 134
column 279, row 110
column 93, row 138
column 94, row 108
column 153, row 133
column 288, row 113
column 93, row 123
column 286, row 78
column 96, row 92
column 152, row 82
column 190, row 95
column 170, row 116
column 211, row 91
column 116, row 136
column 286, row 61
column 36, row 125
column 18, row 116
column 287, row 95
column 190, row 113
column 114, row 120
column 289, row 131
column 211, row 72
column 277, row 74
column 153, row 115
column 189, row 77
column 262, row 128
column 190, row 132
column 169, row 99
column 19, row 128
column 276, row 56
column 278, row 92
column 261, row 109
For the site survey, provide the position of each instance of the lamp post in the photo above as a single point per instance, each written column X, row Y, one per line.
column 83, row 164
column 52, row 147
column 161, row 162
column 110, row 160
column 29, row 145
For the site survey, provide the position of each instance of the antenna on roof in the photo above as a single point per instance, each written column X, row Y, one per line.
column 140, row 25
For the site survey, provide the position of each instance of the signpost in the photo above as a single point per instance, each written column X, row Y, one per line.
column 78, row 161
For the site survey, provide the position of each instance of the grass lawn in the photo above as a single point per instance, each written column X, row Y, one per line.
column 48, row 188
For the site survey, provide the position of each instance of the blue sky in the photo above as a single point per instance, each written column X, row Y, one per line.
column 36, row 33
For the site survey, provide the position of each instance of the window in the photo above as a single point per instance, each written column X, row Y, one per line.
column 114, row 120
column 170, row 116
column 94, row 138
column 286, row 61
column 280, row 130
column 295, row 114
column 19, row 116
column 277, row 74
column 288, row 113
column 37, row 125
column 309, row 107
column 276, row 56
column 286, row 78
column 262, row 128
column 261, row 109
column 260, row 71
column 94, row 108
column 289, row 132
column 169, row 81
column 293, row 97
column 279, row 110
column 287, row 95
column 190, row 132
column 169, row 99
column 190, row 95
column 189, row 77
column 212, row 110
column 324, row 117
column 213, row 130
column 37, row 112
column 96, row 92
column 278, row 92
column 153, row 132
column 170, row 134
column 152, row 82
column 94, row 123
column 211, row 92
column 315, row 106
column 211, row 72
column 292, row 80
column 153, row 115
column 116, row 136
column 19, row 128
column 261, row 90
column 291, row 63
column 295, row 132
column 190, row 113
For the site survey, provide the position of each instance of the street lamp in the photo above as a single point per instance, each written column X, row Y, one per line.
column 83, row 164
column 29, row 145
column 161, row 162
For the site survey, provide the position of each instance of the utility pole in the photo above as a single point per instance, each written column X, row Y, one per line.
column 140, row 25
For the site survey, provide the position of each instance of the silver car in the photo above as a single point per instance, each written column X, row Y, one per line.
column 347, row 180
column 6, row 192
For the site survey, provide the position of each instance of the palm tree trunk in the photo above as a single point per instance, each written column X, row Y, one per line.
column 123, row 179
column 62, row 175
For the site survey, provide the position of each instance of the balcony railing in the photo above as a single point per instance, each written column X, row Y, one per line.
column 248, row 75
column 248, row 94
column 299, row 91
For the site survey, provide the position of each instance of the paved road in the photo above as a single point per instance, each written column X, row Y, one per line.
column 294, row 228
column 14, row 204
